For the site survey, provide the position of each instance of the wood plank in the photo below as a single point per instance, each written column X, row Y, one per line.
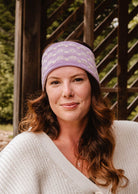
column 135, row 83
column 114, row 107
column 102, row 6
column 109, row 94
column 43, row 27
column 76, row 33
column 132, row 89
column 107, row 59
column 106, row 89
column 109, row 38
column 63, row 25
column 50, row 2
column 135, row 118
column 17, row 67
column 122, row 59
column 58, row 12
column 132, row 106
column 115, row 90
column 135, row 86
column 133, row 33
column 133, row 50
column 31, row 50
column 109, row 76
column 105, row 23
column 133, row 13
column 88, row 36
column 132, row 70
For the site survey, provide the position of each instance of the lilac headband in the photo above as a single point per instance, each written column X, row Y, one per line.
column 68, row 53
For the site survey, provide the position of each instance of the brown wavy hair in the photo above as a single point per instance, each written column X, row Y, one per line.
column 96, row 144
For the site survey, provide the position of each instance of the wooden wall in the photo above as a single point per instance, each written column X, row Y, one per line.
column 34, row 30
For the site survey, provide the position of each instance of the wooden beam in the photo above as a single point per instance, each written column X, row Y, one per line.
column 109, row 76
column 89, row 22
column 43, row 21
column 62, row 27
column 122, row 59
column 132, row 106
column 31, row 50
column 107, row 59
column 132, row 70
column 115, row 90
column 103, row 5
column 133, row 50
column 106, row 41
column 133, row 13
column 76, row 33
column 105, row 23
column 135, row 118
column 133, row 33
column 58, row 12
column 17, row 66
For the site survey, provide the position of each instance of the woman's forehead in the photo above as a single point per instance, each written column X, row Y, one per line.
column 68, row 71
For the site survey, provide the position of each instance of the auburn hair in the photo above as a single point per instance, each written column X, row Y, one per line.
column 97, row 143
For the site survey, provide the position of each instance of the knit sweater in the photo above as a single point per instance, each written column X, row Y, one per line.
column 32, row 164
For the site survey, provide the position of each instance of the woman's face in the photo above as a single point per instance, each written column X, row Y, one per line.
column 69, row 93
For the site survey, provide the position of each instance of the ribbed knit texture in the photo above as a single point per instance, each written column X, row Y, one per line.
column 68, row 53
column 32, row 164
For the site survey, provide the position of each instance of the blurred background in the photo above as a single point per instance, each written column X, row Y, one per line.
column 105, row 24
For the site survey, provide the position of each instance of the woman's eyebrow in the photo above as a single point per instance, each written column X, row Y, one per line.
column 75, row 75
column 79, row 74
column 53, row 77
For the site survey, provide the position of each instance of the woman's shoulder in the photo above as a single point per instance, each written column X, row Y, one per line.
column 23, row 143
column 21, row 159
column 126, row 137
column 125, row 127
column 24, row 148
column 21, row 139
column 126, row 150
column 126, row 123
column 126, row 134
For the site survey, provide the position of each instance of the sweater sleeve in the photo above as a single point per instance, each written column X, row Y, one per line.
column 18, row 166
column 126, row 153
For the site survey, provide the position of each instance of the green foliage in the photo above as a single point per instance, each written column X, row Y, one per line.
column 7, row 12
column 75, row 5
column 132, row 24
column 61, row 18
column 6, row 86
column 6, row 59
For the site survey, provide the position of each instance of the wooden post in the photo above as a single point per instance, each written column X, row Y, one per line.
column 89, row 22
column 31, row 50
column 122, row 58
column 27, row 55
column 17, row 66
column 44, row 5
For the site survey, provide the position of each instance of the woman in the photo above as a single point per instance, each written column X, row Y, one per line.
column 72, row 145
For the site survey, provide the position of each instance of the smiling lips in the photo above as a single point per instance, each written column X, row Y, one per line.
column 70, row 106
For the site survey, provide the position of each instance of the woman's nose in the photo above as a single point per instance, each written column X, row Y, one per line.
column 67, row 90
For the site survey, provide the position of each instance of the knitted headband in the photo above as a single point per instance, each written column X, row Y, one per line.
column 68, row 53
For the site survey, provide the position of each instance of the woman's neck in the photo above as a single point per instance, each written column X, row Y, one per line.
column 71, row 131
column 68, row 140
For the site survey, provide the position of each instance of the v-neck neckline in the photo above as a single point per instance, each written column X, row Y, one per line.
column 66, row 166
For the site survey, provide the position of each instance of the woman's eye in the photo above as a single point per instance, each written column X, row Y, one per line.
column 78, row 79
column 54, row 82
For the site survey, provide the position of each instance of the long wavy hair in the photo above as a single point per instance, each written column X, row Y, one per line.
column 97, row 143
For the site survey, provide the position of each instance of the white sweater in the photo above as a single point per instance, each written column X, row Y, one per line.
column 32, row 164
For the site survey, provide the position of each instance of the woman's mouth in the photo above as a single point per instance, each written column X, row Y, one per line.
column 70, row 106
